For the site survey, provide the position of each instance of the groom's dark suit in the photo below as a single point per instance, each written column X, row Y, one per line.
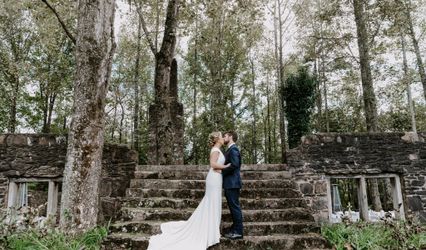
column 232, row 186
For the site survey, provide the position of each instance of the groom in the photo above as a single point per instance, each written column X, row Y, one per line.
column 232, row 185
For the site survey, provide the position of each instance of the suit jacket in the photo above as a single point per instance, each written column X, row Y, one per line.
column 231, row 174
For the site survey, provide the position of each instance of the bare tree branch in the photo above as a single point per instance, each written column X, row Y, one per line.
column 60, row 21
column 145, row 30
column 376, row 32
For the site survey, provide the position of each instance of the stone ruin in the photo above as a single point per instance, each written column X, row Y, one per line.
column 398, row 156
column 283, row 200
column 176, row 121
column 33, row 158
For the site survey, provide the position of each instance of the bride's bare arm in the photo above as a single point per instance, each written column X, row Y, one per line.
column 213, row 161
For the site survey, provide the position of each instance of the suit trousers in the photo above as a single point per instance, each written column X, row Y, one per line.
column 233, row 199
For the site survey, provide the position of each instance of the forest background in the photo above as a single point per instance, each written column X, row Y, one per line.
column 234, row 58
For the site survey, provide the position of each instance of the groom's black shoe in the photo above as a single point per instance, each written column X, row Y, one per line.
column 233, row 236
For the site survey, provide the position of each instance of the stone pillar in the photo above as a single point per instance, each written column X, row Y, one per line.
column 22, row 194
column 329, row 199
column 12, row 196
column 362, row 199
column 152, row 135
column 398, row 203
column 52, row 198
column 176, row 113
column 176, row 127
column 174, row 80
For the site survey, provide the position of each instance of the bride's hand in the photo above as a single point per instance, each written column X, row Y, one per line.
column 227, row 165
column 217, row 171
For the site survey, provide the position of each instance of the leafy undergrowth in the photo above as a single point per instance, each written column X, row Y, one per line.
column 35, row 239
column 401, row 235
column 25, row 229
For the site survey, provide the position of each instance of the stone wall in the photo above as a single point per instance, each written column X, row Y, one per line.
column 43, row 156
column 320, row 156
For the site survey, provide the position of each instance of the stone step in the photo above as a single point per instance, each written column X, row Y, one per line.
column 264, row 203
column 122, row 241
column 266, row 167
column 311, row 241
column 200, row 184
column 168, row 214
column 199, row 193
column 250, row 228
column 201, row 175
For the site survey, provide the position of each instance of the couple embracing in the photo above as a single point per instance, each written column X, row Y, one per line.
column 202, row 229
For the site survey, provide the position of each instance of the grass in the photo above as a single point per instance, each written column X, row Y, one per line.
column 54, row 239
column 364, row 236
column 24, row 231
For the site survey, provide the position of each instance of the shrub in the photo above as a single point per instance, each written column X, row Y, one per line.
column 23, row 229
column 401, row 235
column 54, row 239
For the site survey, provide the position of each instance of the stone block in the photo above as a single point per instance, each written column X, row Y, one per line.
column 306, row 188
column 422, row 193
column 418, row 183
column 19, row 140
column 415, row 203
column 320, row 204
column 11, row 173
column 310, row 139
column 110, row 209
column 328, row 139
column 413, row 157
column 44, row 171
column 46, row 141
column 410, row 137
column 321, row 217
column 421, row 215
column 320, row 187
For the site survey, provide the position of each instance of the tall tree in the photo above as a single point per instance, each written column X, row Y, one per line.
column 16, row 43
column 94, row 54
column 53, row 61
column 409, row 22
column 136, row 87
column 282, row 12
column 162, row 128
column 407, row 82
column 370, row 106
column 219, row 70
column 300, row 95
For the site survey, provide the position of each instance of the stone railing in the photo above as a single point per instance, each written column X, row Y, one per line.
column 321, row 157
column 28, row 158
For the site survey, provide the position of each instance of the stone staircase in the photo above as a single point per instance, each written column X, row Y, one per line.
column 274, row 212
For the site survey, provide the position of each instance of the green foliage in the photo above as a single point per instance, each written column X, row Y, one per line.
column 396, row 121
column 298, row 93
column 36, row 66
column 53, row 239
column 228, row 57
column 389, row 235
column 216, row 86
column 25, row 229
column 361, row 236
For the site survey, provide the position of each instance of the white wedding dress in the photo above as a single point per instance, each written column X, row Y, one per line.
column 201, row 230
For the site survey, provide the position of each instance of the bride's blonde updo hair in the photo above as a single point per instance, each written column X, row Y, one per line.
column 214, row 137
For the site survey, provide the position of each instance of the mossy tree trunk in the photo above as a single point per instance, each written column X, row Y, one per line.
column 94, row 54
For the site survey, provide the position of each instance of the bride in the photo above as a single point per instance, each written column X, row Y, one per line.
column 201, row 230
